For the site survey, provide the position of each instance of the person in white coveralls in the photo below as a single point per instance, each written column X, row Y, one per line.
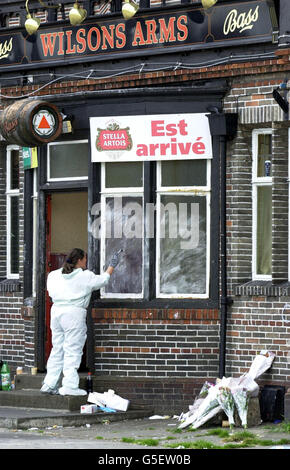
column 70, row 289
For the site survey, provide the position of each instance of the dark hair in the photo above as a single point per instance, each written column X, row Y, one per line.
column 72, row 259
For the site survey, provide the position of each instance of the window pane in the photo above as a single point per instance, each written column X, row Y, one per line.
column 184, row 173
column 68, row 160
column 264, row 230
column 14, row 170
column 14, row 235
column 264, row 155
column 124, row 175
column 124, row 229
column 183, row 245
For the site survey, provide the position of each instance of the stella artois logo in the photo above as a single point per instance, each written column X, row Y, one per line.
column 113, row 138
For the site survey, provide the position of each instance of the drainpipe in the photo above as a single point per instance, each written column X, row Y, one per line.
column 223, row 126
column 223, row 258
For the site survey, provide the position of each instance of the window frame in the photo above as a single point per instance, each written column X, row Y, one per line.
column 204, row 191
column 68, row 178
column 257, row 181
column 9, row 194
column 119, row 192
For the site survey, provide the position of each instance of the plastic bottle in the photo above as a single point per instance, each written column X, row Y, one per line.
column 5, row 377
column 89, row 384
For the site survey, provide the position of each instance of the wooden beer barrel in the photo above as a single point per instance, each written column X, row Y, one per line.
column 30, row 123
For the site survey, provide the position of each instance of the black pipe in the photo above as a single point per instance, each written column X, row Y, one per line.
column 223, row 257
column 224, row 126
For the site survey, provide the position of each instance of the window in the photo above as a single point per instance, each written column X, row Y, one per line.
column 35, row 230
column 262, row 204
column 122, row 219
column 183, row 198
column 178, row 221
column 12, row 204
column 67, row 161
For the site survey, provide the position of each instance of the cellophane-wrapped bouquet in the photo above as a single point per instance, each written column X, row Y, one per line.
column 226, row 401
column 241, row 399
column 209, row 408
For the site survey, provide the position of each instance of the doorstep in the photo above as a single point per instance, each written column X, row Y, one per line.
column 27, row 418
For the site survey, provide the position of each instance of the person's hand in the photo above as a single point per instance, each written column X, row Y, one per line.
column 114, row 261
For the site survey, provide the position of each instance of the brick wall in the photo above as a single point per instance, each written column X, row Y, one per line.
column 255, row 318
column 256, row 323
column 12, row 329
column 156, row 343
column 2, row 214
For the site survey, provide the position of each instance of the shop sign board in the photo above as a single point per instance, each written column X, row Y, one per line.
column 150, row 137
column 164, row 31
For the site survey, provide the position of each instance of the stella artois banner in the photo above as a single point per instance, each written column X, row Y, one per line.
column 150, row 137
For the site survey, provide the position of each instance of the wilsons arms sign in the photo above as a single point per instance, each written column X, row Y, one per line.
column 164, row 31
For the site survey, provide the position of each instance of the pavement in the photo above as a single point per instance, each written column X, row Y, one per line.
column 150, row 433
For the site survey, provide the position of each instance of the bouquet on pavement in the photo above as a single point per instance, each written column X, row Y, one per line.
column 189, row 417
column 209, row 408
column 226, row 401
column 241, row 399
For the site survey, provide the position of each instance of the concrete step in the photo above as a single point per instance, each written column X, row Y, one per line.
column 27, row 381
column 26, row 418
column 34, row 399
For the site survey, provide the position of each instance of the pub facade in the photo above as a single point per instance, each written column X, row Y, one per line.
column 165, row 135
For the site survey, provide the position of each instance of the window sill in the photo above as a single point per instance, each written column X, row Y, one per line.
column 10, row 285
column 267, row 288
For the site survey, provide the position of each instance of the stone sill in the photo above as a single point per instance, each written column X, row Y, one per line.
column 266, row 288
column 10, row 285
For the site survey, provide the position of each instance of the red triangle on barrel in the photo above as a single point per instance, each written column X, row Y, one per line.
column 43, row 123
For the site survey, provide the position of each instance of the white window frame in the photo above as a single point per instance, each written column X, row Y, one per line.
column 111, row 192
column 35, row 231
column 257, row 182
column 204, row 191
column 9, row 194
column 69, row 178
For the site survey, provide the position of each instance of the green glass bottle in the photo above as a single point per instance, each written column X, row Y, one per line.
column 5, row 377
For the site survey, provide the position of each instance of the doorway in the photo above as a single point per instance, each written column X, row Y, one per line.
column 67, row 228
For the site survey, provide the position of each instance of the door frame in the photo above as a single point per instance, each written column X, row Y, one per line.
column 44, row 239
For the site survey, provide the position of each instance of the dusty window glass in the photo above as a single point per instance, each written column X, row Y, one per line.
column 264, row 230
column 68, row 160
column 122, row 175
column 124, row 230
column 184, row 173
column 264, row 160
column 14, row 169
column 183, row 245
column 14, row 235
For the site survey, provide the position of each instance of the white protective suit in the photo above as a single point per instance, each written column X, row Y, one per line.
column 70, row 294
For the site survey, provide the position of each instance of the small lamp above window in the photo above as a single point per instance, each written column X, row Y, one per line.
column 77, row 14
column 129, row 9
column 208, row 3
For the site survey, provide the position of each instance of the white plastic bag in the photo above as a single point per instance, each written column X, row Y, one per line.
column 109, row 399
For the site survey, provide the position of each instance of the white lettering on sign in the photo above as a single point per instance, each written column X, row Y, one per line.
column 150, row 137
column 240, row 22
column 5, row 48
